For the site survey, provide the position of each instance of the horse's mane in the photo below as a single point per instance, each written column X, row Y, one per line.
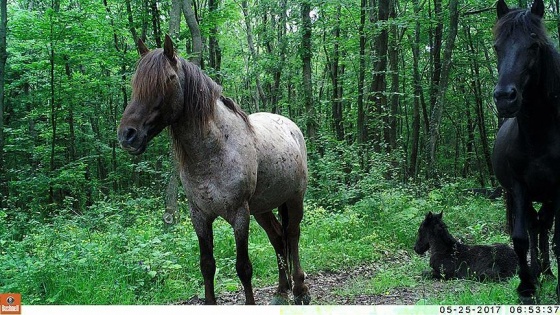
column 441, row 231
column 529, row 24
column 200, row 91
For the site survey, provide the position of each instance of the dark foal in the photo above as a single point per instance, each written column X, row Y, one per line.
column 450, row 259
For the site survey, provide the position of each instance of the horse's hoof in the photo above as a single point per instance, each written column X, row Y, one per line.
column 528, row 300
column 303, row 299
column 280, row 299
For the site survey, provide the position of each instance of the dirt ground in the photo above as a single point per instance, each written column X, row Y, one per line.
column 324, row 285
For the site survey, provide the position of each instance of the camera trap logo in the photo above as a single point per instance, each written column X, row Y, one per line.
column 10, row 304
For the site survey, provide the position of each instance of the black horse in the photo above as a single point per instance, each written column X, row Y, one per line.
column 449, row 259
column 526, row 155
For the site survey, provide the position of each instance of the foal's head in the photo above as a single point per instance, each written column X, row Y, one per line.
column 157, row 97
column 428, row 227
column 519, row 40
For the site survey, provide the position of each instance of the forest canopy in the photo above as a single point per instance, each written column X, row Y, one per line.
column 385, row 91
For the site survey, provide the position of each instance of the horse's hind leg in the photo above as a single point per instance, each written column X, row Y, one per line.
column 294, row 213
column 273, row 229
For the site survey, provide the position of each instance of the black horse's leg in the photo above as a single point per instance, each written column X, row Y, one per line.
column 521, row 206
column 534, row 230
column 295, row 215
column 546, row 219
column 243, row 265
column 203, row 228
column 273, row 229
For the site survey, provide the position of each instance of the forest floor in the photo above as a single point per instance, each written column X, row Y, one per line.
column 342, row 288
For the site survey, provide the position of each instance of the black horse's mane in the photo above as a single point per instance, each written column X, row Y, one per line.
column 441, row 232
column 521, row 22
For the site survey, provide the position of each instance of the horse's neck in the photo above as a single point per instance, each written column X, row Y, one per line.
column 442, row 241
column 193, row 145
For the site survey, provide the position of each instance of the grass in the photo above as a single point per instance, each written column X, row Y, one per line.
column 119, row 252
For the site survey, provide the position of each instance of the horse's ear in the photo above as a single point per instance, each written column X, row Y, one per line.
column 142, row 49
column 440, row 215
column 501, row 8
column 168, row 49
column 538, row 8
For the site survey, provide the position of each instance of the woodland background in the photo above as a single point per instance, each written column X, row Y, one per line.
column 389, row 93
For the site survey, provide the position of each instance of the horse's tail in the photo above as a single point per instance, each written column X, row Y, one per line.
column 283, row 212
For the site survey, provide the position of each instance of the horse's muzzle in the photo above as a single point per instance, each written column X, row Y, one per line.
column 131, row 141
column 507, row 100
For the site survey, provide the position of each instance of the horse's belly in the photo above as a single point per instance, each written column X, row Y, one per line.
column 282, row 162
column 543, row 181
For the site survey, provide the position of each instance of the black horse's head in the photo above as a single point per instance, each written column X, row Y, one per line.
column 519, row 38
column 425, row 231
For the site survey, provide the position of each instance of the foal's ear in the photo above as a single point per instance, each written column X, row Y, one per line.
column 440, row 215
column 538, row 8
column 142, row 49
column 168, row 49
column 501, row 8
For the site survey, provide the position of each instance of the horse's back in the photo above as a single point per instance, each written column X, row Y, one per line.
column 282, row 161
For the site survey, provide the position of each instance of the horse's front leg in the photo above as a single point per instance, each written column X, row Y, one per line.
column 240, row 223
column 520, row 237
column 546, row 220
column 203, row 228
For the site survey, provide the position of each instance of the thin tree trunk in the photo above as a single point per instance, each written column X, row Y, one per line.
column 306, row 55
column 417, row 82
column 436, row 53
column 3, row 58
column 214, row 49
column 253, row 53
column 336, row 70
column 175, row 18
column 390, row 132
column 361, row 123
column 479, row 101
column 435, row 118
column 196, row 36
column 377, row 94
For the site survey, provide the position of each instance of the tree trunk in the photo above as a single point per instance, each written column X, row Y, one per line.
column 377, row 94
column 417, row 82
column 436, row 53
column 175, row 18
column 390, row 132
column 361, row 123
column 306, row 55
column 479, row 101
column 214, row 49
column 336, row 70
column 196, row 36
column 253, row 54
column 3, row 58
column 435, row 118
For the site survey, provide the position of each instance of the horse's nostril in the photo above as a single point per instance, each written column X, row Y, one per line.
column 130, row 135
column 513, row 94
column 508, row 93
